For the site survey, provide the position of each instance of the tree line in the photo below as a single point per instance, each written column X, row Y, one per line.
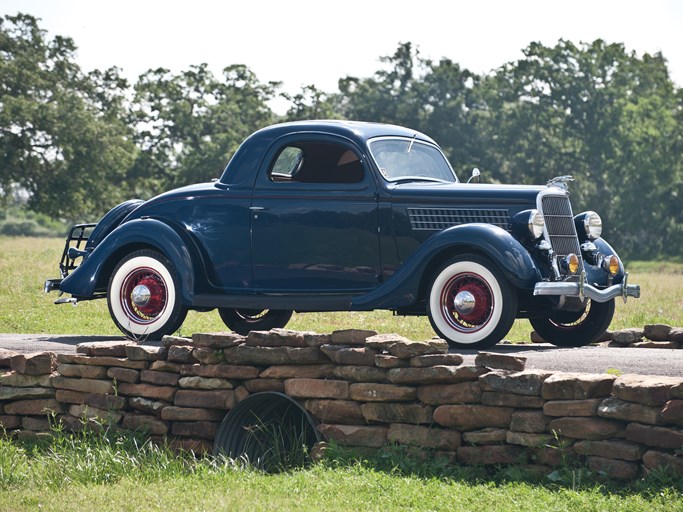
column 74, row 144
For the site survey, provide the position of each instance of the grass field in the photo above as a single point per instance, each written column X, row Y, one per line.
column 120, row 473
column 25, row 263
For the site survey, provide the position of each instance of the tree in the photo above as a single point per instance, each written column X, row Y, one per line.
column 435, row 98
column 392, row 95
column 188, row 125
column 312, row 103
column 62, row 135
column 597, row 112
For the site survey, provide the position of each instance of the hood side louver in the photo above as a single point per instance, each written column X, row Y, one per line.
column 436, row 219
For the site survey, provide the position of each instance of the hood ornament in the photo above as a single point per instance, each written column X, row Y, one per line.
column 560, row 181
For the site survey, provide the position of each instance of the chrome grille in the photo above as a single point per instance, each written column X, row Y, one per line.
column 436, row 219
column 559, row 224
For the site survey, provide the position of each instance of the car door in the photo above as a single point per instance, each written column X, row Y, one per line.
column 314, row 219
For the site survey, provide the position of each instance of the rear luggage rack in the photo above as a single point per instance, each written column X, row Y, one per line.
column 74, row 247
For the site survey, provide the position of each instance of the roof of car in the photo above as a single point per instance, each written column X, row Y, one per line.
column 355, row 130
column 248, row 156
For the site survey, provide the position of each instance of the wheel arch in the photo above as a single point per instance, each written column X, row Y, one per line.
column 92, row 276
column 406, row 287
column 438, row 260
column 114, row 258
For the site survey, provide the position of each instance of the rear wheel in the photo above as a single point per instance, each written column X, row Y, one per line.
column 575, row 329
column 471, row 305
column 143, row 296
column 243, row 321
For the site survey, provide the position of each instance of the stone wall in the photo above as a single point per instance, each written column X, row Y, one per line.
column 651, row 336
column 364, row 390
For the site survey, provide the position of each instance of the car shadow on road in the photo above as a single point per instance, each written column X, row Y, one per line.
column 75, row 340
column 509, row 348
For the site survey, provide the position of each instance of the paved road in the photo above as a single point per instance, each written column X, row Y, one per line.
column 539, row 356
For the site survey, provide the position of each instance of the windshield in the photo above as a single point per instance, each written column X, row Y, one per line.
column 401, row 159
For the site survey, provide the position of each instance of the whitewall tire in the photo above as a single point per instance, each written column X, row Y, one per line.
column 143, row 296
column 471, row 304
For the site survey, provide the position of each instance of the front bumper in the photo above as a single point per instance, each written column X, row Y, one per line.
column 582, row 289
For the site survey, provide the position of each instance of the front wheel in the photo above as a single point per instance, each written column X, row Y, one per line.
column 243, row 321
column 471, row 305
column 143, row 296
column 566, row 329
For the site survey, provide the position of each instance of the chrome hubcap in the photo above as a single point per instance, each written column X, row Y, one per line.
column 140, row 295
column 464, row 303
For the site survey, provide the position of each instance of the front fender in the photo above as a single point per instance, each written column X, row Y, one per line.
column 597, row 275
column 128, row 237
column 501, row 247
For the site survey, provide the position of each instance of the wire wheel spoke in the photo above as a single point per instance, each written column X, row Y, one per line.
column 251, row 314
column 144, row 295
column 571, row 320
column 467, row 302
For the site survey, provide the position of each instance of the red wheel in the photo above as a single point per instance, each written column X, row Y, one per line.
column 470, row 304
column 467, row 302
column 143, row 296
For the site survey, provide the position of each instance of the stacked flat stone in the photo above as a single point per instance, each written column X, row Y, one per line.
column 27, row 398
column 651, row 336
column 365, row 390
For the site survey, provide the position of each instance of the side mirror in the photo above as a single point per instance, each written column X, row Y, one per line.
column 475, row 175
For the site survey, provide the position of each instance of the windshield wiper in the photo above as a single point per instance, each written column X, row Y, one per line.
column 410, row 146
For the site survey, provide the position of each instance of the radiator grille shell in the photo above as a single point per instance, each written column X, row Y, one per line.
column 560, row 231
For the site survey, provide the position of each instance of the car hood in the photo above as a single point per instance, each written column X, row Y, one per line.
column 465, row 193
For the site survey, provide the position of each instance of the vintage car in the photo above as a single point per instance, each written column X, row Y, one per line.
column 350, row 216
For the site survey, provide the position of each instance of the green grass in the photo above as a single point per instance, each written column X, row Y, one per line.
column 117, row 472
column 25, row 263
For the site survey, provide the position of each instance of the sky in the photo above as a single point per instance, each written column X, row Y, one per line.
column 303, row 42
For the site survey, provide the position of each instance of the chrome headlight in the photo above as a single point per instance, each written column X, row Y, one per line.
column 592, row 224
column 536, row 224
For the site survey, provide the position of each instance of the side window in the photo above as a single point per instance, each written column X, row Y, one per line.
column 317, row 162
column 287, row 164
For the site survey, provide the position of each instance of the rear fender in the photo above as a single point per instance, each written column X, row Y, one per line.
column 403, row 288
column 110, row 221
column 128, row 237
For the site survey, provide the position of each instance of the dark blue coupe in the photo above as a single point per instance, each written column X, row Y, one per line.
column 350, row 216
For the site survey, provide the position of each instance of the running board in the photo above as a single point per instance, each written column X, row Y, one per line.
column 290, row 302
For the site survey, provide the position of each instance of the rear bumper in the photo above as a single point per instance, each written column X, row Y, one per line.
column 52, row 284
column 583, row 289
